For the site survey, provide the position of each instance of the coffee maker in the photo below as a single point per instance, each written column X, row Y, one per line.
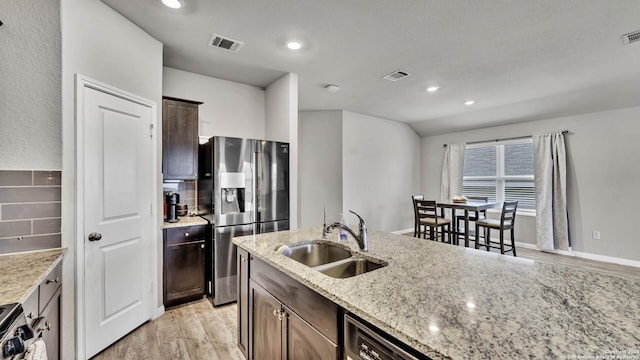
column 171, row 200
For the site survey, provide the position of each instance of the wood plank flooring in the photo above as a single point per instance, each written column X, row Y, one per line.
column 199, row 331
column 192, row 331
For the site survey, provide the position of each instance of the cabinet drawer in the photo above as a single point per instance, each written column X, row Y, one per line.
column 49, row 285
column 185, row 234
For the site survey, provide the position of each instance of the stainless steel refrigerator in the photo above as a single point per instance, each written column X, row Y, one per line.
column 243, row 188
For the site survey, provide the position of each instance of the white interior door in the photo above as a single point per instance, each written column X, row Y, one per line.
column 118, row 227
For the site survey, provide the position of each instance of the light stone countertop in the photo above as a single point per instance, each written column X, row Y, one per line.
column 21, row 273
column 185, row 221
column 454, row 302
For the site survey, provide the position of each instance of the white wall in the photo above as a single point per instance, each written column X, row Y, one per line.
column 320, row 166
column 281, row 124
column 99, row 43
column 381, row 170
column 603, row 174
column 228, row 109
column 30, row 115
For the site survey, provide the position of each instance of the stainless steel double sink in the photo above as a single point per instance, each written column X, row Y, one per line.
column 332, row 259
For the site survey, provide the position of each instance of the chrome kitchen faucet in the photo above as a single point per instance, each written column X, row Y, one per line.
column 361, row 238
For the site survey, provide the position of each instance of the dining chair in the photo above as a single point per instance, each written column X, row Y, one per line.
column 428, row 216
column 416, row 215
column 506, row 222
column 472, row 217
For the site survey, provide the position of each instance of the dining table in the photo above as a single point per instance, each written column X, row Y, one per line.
column 474, row 206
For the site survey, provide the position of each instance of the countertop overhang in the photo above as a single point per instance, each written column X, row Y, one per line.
column 185, row 221
column 21, row 273
column 454, row 302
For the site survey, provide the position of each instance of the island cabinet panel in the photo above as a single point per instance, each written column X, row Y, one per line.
column 305, row 342
column 320, row 312
column 266, row 325
column 278, row 333
column 179, row 139
column 243, row 301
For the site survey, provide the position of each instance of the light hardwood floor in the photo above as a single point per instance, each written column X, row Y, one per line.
column 199, row 331
column 192, row 331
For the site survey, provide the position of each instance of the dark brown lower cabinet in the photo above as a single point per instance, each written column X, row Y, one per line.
column 184, row 265
column 278, row 333
column 305, row 342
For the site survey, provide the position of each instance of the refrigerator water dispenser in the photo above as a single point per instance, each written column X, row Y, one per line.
column 232, row 186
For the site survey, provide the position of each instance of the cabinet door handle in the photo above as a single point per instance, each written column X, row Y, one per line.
column 281, row 315
column 275, row 312
column 186, row 234
column 201, row 246
column 56, row 280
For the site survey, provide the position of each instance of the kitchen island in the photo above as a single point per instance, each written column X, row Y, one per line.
column 453, row 302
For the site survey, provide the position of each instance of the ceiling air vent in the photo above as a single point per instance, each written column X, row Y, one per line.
column 631, row 37
column 225, row 43
column 396, row 75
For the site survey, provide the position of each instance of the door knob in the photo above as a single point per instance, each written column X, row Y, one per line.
column 94, row 236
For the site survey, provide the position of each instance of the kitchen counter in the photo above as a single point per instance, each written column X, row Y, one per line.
column 454, row 302
column 21, row 273
column 185, row 221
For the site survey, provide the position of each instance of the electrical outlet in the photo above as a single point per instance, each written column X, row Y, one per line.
column 596, row 235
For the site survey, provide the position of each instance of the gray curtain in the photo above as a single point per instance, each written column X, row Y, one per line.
column 552, row 223
column 452, row 167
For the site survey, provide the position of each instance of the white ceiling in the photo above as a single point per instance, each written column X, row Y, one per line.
column 520, row 59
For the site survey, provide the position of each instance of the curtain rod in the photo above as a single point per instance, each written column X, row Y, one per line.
column 564, row 132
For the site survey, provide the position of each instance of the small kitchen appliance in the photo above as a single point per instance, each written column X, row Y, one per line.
column 172, row 199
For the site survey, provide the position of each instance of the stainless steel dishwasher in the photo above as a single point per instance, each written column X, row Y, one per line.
column 363, row 342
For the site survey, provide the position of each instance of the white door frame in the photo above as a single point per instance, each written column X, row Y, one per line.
column 83, row 82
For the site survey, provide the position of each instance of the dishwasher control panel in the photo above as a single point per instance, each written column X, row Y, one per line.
column 364, row 342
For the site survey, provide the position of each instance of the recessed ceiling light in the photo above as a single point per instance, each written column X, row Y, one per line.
column 173, row 4
column 294, row 45
column 469, row 102
column 433, row 88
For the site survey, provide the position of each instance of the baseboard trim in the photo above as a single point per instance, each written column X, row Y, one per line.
column 404, row 231
column 159, row 312
column 584, row 255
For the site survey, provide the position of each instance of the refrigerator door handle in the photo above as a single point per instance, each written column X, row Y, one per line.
column 254, row 181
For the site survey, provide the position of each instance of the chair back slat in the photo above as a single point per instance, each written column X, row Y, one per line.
column 427, row 208
column 508, row 214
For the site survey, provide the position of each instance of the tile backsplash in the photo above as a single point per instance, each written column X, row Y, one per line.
column 187, row 191
column 30, row 210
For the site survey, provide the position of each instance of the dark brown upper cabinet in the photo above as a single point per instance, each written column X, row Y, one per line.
column 179, row 139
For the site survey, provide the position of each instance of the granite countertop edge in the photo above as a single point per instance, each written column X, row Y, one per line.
column 184, row 221
column 38, row 256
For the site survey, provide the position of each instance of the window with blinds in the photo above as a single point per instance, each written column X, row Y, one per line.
column 502, row 171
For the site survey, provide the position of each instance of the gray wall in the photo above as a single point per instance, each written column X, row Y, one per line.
column 320, row 166
column 603, row 174
column 381, row 170
column 351, row 161
column 30, row 120
column 228, row 109
column 281, row 124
